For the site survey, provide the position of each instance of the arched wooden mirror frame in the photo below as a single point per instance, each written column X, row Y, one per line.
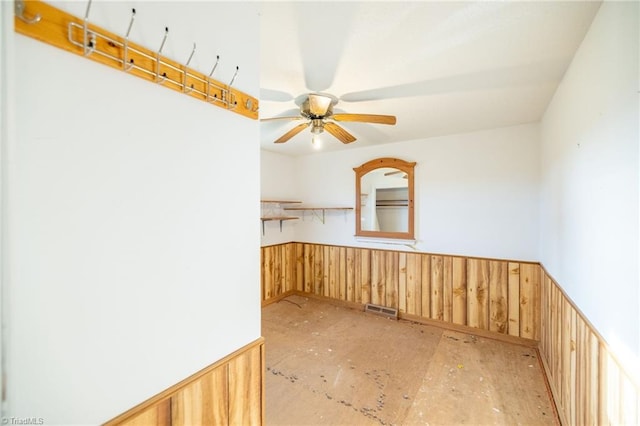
column 378, row 163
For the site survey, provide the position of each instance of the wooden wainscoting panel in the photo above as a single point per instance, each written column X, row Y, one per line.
column 588, row 383
column 530, row 301
column 487, row 294
column 299, row 267
column 342, row 273
column 425, row 285
column 156, row 415
column 288, row 254
column 363, row 276
column 447, row 289
column 318, row 271
column 307, row 268
column 459, row 291
column 414, row 284
column 278, row 273
column 402, row 282
column 350, row 275
column 498, row 296
column 228, row 392
column 514, row 299
column 203, row 402
column 245, row 388
column 437, row 288
column 391, row 278
column 267, row 273
column 377, row 278
column 477, row 293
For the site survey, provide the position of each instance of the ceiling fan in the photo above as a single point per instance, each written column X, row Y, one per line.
column 404, row 174
column 317, row 111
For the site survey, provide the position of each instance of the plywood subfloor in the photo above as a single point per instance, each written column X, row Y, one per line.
column 328, row 365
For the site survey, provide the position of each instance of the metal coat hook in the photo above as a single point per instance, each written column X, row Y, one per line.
column 161, row 79
column 18, row 9
column 88, row 37
column 210, row 74
column 125, row 64
column 234, row 76
column 184, row 73
column 231, row 105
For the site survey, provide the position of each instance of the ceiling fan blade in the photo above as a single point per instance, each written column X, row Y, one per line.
column 323, row 48
column 393, row 173
column 366, row 118
column 339, row 132
column 275, row 95
column 291, row 133
column 283, row 118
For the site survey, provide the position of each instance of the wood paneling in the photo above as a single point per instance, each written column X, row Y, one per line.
column 229, row 392
column 245, row 388
column 493, row 295
column 204, row 401
column 588, row 383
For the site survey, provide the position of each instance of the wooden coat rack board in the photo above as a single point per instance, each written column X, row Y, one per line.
column 48, row 24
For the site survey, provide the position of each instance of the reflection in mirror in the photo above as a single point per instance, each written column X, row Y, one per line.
column 384, row 199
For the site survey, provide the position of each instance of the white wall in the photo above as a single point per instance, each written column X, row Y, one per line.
column 131, row 265
column 589, row 198
column 476, row 193
column 278, row 181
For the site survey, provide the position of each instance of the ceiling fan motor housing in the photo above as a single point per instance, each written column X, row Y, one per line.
column 315, row 110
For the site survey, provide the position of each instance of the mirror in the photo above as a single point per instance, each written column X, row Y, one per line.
column 384, row 199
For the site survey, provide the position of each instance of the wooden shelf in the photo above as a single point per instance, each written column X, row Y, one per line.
column 319, row 208
column 278, row 218
column 266, row 219
column 279, row 202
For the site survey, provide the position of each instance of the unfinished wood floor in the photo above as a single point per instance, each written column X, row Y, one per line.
column 328, row 365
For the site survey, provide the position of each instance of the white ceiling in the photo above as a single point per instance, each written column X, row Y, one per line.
column 440, row 67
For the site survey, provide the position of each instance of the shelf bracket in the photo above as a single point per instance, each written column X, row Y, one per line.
column 316, row 213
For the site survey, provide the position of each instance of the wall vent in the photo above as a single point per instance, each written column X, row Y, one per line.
column 381, row 310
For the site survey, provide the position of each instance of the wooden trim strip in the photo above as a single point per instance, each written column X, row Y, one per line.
column 171, row 391
column 526, row 262
column 276, row 299
column 522, row 341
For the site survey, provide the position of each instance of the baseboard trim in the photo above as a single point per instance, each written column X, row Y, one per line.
column 278, row 298
column 522, row 341
column 555, row 396
column 426, row 321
